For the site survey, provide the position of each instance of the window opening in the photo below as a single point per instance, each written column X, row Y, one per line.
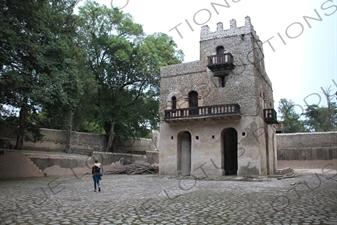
column 220, row 50
column 174, row 102
column 193, row 102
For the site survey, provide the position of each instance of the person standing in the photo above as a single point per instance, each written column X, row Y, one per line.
column 97, row 171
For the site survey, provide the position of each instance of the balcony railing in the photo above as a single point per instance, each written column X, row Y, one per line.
column 224, row 61
column 270, row 116
column 203, row 111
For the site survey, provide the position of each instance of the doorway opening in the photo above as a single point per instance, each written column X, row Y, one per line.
column 230, row 151
column 184, row 153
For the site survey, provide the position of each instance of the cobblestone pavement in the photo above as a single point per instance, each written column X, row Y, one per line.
column 152, row 199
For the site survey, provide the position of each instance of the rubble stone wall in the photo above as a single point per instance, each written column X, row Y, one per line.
column 307, row 146
column 84, row 143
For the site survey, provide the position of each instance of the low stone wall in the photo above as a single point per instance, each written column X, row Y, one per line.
column 137, row 146
column 307, row 146
column 307, row 150
column 107, row 158
column 83, row 143
column 55, row 141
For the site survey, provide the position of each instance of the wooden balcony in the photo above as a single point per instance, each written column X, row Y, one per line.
column 221, row 112
column 270, row 116
column 217, row 62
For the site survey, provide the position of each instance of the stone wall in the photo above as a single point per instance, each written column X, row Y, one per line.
column 55, row 141
column 302, row 149
column 108, row 158
column 85, row 143
column 307, row 146
column 137, row 146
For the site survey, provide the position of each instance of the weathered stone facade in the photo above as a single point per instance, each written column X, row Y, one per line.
column 190, row 139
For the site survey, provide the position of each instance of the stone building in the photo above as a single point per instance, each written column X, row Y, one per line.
column 217, row 113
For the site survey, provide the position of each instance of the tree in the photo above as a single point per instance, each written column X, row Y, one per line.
column 125, row 64
column 322, row 118
column 290, row 119
column 39, row 60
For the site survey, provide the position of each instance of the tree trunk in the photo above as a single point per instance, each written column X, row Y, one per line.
column 22, row 126
column 111, row 136
column 68, row 133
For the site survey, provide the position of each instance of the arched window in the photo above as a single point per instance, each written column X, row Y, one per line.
column 220, row 50
column 193, row 102
column 174, row 102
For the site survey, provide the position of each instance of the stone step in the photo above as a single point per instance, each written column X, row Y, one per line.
column 17, row 165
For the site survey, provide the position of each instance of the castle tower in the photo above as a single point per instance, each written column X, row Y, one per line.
column 217, row 113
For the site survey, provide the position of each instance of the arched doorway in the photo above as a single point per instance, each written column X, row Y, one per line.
column 184, row 153
column 230, row 151
column 193, row 102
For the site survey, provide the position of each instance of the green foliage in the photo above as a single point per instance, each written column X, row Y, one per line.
column 39, row 59
column 317, row 119
column 290, row 119
column 126, row 66
column 91, row 127
column 322, row 118
column 99, row 65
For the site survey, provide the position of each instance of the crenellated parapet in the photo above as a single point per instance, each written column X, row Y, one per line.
column 206, row 34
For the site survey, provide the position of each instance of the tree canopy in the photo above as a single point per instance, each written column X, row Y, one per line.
column 126, row 66
column 323, row 118
column 96, row 71
column 39, row 60
column 289, row 118
column 315, row 118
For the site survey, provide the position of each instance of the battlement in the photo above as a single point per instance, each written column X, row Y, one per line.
column 206, row 34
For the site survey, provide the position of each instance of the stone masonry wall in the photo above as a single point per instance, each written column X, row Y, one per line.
column 307, row 146
column 244, row 44
column 85, row 143
column 55, row 140
column 247, row 84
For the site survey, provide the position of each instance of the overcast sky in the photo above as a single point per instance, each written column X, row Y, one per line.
column 300, row 64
